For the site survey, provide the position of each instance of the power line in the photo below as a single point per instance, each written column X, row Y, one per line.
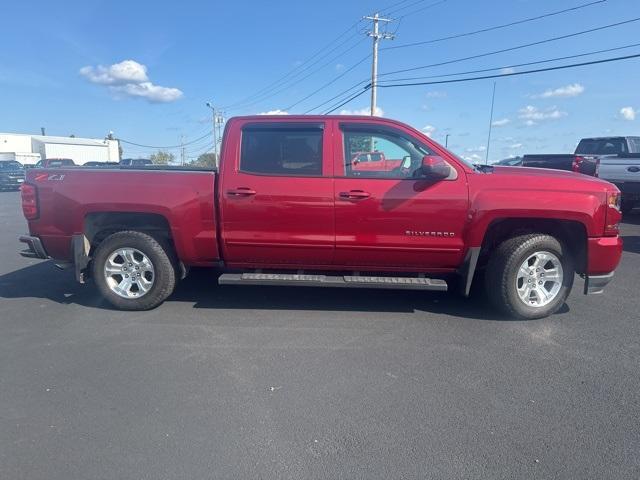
column 469, row 34
column 293, row 71
column 416, row 2
column 515, row 65
column 512, row 74
column 388, row 8
column 348, row 100
column 296, row 82
column 329, row 83
column 496, row 27
column 485, row 77
column 422, row 9
column 163, row 146
column 336, row 96
column 510, row 49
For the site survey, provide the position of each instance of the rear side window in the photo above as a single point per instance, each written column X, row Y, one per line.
column 282, row 150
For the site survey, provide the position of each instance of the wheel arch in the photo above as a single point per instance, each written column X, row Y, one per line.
column 571, row 233
column 99, row 225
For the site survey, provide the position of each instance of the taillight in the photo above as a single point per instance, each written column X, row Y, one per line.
column 29, row 201
column 613, row 214
column 577, row 162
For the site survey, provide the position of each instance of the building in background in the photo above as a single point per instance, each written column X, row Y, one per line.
column 29, row 149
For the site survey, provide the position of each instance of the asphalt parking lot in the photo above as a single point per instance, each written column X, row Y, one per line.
column 242, row 382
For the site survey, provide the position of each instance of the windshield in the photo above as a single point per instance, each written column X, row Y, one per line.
column 602, row 146
column 10, row 165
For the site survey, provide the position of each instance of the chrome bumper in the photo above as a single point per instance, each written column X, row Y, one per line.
column 35, row 250
column 594, row 284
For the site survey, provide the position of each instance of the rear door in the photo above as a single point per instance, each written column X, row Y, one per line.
column 276, row 194
column 387, row 218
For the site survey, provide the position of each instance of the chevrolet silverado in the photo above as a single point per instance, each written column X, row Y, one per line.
column 289, row 207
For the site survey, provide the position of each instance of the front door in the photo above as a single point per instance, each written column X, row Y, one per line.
column 388, row 217
column 277, row 196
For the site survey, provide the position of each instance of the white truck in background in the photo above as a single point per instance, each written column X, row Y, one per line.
column 619, row 164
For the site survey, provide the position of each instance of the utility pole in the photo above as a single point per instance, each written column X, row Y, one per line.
column 493, row 99
column 213, row 126
column 375, row 34
column 182, row 150
column 446, row 140
column 219, row 122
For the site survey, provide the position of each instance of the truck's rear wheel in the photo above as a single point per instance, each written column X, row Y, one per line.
column 133, row 271
column 530, row 276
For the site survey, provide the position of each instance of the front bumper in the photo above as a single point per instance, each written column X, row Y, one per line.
column 35, row 248
column 603, row 257
column 11, row 182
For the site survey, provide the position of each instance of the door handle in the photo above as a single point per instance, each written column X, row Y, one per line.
column 355, row 195
column 241, row 192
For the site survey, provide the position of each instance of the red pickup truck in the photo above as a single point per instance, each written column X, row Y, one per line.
column 287, row 208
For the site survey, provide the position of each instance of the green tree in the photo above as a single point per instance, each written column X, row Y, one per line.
column 207, row 160
column 162, row 158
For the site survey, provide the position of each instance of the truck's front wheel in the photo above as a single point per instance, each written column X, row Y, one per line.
column 530, row 276
column 133, row 271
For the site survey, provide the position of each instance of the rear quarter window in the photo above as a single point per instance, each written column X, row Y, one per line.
column 289, row 151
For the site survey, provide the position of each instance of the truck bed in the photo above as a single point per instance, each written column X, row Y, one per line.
column 71, row 198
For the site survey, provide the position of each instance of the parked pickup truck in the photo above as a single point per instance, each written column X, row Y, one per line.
column 591, row 156
column 287, row 208
column 619, row 164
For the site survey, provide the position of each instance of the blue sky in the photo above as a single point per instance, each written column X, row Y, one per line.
column 55, row 68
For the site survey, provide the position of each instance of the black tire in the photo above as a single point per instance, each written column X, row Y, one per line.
column 502, row 272
column 160, row 256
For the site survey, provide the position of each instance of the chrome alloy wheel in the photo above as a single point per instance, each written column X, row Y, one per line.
column 539, row 279
column 129, row 273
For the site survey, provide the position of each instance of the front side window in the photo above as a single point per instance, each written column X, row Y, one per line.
column 377, row 153
column 286, row 150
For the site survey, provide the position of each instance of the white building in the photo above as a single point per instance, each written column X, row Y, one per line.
column 29, row 149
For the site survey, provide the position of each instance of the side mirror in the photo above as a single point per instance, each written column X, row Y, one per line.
column 435, row 168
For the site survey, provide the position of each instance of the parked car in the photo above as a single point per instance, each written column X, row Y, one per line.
column 11, row 175
column 135, row 162
column 99, row 164
column 288, row 208
column 55, row 163
column 510, row 162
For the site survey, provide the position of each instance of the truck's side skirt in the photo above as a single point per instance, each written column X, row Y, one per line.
column 340, row 281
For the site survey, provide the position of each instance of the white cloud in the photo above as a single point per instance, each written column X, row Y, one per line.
column 339, row 67
column 128, row 71
column 436, row 94
column 533, row 115
column 481, row 148
column 516, row 146
column 429, row 130
column 277, row 111
column 149, row 91
column 129, row 78
column 628, row 113
column 572, row 90
column 501, row 123
column 363, row 111
column 472, row 158
column 507, row 71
